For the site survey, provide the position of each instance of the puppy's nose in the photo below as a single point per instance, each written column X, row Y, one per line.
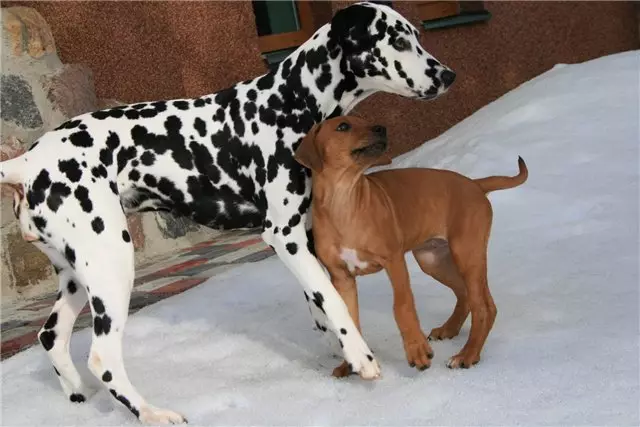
column 448, row 77
column 379, row 130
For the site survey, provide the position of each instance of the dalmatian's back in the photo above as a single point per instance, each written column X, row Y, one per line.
column 201, row 158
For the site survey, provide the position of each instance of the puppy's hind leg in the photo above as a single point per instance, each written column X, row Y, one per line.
column 470, row 255
column 434, row 258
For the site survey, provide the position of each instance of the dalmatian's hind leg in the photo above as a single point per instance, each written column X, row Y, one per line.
column 105, row 265
column 55, row 335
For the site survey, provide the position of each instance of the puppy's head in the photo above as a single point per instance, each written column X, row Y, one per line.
column 343, row 142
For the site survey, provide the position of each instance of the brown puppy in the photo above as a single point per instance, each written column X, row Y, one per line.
column 364, row 223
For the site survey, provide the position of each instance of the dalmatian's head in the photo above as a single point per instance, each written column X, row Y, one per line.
column 382, row 49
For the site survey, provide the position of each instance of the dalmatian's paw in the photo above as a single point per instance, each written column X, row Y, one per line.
column 155, row 416
column 78, row 394
column 366, row 366
column 369, row 369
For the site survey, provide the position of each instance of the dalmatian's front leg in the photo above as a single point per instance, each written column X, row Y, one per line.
column 293, row 251
column 318, row 316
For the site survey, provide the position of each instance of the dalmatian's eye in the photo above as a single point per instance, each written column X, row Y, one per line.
column 402, row 45
column 343, row 127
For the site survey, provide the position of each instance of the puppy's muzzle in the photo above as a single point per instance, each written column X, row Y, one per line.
column 376, row 145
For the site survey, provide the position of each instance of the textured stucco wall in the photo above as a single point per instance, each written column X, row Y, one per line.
column 520, row 41
column 148, row 50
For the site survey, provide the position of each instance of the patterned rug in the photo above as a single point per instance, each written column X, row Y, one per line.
column 164, row 277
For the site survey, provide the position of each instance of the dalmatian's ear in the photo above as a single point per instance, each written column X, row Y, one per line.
column 307, row 153
column 350, row 28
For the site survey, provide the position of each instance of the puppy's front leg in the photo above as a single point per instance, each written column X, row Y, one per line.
column 416, row 345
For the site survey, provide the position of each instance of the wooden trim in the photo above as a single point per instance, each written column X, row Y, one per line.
column 281, row 41
column 428, row 10
column 321, row 12
column 305, row 14
column 312, row 15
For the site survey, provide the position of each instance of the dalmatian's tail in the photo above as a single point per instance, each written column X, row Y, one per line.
column 11, row 172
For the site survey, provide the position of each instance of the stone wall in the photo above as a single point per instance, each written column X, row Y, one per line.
column 38, row 93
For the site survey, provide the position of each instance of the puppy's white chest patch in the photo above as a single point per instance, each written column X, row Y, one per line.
column 350, row 257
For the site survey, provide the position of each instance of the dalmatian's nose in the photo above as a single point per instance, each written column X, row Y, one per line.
column 448, row 77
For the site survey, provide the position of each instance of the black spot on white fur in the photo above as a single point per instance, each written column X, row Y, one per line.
column 125, row 402
column 82, row 195
column 81, row 139
column 71, row 168
column 72, row 287
column 101, row 325
column 292, row 248
column 77, row 398
column 51, row 321
column 57, row 193
column 318, row 300
column 97, row 225
column 70, row 255
column 47, row 339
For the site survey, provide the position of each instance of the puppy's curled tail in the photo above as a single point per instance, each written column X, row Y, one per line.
column 493, row 183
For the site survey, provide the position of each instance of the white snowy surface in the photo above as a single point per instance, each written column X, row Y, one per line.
column 563, row 270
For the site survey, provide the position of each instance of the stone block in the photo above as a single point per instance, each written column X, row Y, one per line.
column 27, row 31
column 17, row 104
column 71, row 90
column 173, row 227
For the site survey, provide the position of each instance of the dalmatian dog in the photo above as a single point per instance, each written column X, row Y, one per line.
column 224, row 160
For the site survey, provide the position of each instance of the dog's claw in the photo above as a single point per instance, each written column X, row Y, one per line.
column 462, row 362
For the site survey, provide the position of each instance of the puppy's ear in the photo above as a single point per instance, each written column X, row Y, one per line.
column 307, row 153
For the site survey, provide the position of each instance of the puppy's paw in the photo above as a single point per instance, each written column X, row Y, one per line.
column 155, row 416
column 443, row 333
column 342, row 371
column 463, row 360
column 419, row 352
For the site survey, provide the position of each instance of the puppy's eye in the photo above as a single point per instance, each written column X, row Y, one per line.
column 343, row 127
column 402, row 45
